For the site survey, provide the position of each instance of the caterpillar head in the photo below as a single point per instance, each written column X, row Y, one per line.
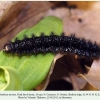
column 7, row 48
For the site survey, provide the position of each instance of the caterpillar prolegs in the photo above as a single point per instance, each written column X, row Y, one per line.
column 54, row 44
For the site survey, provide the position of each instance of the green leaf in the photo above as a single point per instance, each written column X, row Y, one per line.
column 33, row 69
column 10, row 79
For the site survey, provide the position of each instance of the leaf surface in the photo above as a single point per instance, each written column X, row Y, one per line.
column 34, row 68
column 93, row 76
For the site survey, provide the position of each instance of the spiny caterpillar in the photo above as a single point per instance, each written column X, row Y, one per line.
column 54, row 44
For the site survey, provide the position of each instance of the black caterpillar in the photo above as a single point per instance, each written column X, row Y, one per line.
column 54, row 44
